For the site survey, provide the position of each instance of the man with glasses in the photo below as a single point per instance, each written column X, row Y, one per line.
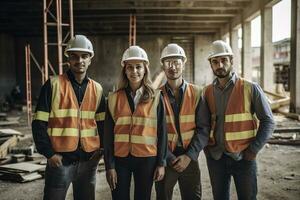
column 235, row 137
column 68, row 126
column 185, row 137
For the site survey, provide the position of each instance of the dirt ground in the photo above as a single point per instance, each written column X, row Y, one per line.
column 278, row 175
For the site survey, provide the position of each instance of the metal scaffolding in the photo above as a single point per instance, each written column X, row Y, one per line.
column 48, row 4
column 28, row 85
column 132, row 30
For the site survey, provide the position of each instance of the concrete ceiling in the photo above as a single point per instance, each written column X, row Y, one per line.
column 94, row 17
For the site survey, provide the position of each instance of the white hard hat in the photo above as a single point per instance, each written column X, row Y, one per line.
column 134, row 53
column 220, row 48
column 172, row 50
column 79, row 43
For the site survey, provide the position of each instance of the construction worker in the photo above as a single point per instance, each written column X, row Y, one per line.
column 68, row 126
column 135, row 139
column 185, row 138
column 236, row 138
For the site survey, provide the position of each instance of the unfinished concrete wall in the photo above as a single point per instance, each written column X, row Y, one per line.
column 203, row 72
column 105, row 67
column 7, row 64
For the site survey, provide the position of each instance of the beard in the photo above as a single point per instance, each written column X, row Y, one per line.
column 222, row 73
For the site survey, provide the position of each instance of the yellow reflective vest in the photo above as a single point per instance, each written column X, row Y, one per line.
column 240, row 125
column 69, row 124
column 186, row 116
column 134, row 133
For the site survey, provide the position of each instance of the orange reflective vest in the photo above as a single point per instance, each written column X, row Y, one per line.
column 186, row 116
column 67, row 122
column 240, row 124
column 134, row 133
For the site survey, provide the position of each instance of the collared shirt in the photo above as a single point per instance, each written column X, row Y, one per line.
column 259, row 106
column 138, row 94
column 39, row 128
column 201, row 135
column 109, row 125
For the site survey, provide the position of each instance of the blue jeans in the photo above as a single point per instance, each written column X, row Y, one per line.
column 243, row 173
column 81, row 174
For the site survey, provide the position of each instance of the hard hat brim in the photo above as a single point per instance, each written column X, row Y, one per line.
column 219, row 54
column 79, row 49
column 133, row 58
column 172, row 55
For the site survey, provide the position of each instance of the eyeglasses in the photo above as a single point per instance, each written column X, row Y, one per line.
column 177, row 63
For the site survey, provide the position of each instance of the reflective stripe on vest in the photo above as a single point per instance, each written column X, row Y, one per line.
column 41, row 115
column 186, row 116
column 68, row 122
column 134, row 133
column 239, row 125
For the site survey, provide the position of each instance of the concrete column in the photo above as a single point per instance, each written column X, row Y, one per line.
column 234, row 40
column 203, row 72
column 246, row 50
column 295, row 57
column 266, row 51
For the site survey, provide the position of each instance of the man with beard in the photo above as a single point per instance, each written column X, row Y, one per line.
column 186, row 138
column 236, row 137
column 68, row 125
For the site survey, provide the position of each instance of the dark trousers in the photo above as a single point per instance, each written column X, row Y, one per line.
column 243, row 173
column 81, row 174
column 142, row 169
column 189, row 183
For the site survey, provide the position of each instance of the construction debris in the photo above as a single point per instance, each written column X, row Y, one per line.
column 5, row 120
column 8, row 131
column 8, row 139
column 276, row 100
column 6, row 143
column 21, row 172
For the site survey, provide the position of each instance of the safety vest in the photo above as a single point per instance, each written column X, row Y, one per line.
column 186, row 116
column 240, row 124
column 67, row 122
column 134, row 133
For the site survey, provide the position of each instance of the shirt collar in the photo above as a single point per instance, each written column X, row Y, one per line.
column 72, row 77
column 138, row 91
column 182, row 87
column 232, row 80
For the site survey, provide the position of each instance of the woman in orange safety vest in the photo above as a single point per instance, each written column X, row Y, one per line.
column 135, row 137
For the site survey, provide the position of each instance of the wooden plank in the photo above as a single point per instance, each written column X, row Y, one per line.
column 284, row 142
column 22, row 167
column 20, row 177
column 287, row 130
column 5, row 123
column 9, row 131
column 12, row 141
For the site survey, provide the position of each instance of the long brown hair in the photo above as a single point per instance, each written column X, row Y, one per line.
column 148, row 92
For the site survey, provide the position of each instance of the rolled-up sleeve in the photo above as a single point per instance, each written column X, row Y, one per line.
column 264, row 114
